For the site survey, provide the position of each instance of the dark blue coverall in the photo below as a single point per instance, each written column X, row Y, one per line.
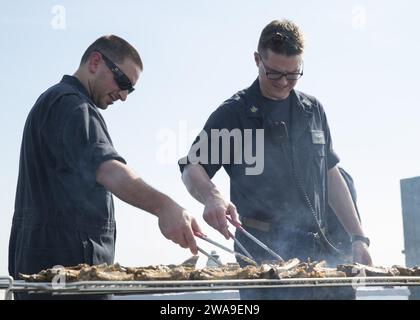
column 271, row 205
column 62, row 215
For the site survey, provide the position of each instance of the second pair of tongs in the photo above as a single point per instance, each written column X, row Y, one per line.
column 261, row 244
column 237, row 254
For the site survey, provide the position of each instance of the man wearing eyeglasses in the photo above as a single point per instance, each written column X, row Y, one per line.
column 285, row 204
column 69, row 169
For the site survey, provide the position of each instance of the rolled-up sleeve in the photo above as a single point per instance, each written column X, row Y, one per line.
column 332, row 157
column 201, row 150
column 86, row 142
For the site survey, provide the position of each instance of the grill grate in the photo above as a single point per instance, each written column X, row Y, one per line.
column 144, row 287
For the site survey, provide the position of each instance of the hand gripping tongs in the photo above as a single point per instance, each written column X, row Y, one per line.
column 202, row 236
column 261, row 244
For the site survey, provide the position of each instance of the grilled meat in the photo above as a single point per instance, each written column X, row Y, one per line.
column 357, row 269
column 292, row 268
column 104, row 272
column 161, row 272
column 70, row 273
column 408, row 272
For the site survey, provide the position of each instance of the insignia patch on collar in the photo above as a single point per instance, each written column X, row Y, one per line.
column 318, row 137
column 253, row 109
column 307, row 103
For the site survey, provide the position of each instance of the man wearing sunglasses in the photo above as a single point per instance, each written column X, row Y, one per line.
column 284, row 205
column 69, row 169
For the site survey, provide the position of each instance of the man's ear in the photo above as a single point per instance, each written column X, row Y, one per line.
column 93, row 62
column 257, row 58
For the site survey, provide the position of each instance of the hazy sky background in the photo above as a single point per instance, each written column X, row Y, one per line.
column 361, row 62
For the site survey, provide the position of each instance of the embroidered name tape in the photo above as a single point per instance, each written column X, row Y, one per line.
column 318, row 137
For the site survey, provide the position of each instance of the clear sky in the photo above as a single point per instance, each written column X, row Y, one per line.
column 361, row 62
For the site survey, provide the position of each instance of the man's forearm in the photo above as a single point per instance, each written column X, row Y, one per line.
column 127, row 186
column 339, row 198
column 198, row 183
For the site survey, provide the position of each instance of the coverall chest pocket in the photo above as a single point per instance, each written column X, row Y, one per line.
column 318, row 151
column 318, row 144
column 318, row 156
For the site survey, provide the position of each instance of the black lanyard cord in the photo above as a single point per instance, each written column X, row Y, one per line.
column 290, row 159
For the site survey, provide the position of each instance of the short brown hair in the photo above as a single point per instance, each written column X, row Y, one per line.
column 115, row 48
column 283, row 37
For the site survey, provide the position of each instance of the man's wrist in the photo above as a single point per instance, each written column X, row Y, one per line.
column 363, row 239
column 213, row 195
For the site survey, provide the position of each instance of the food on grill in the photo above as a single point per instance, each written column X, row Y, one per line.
column 356, row 269
column 292, row 268
column 104, row 272
column 71, row 274
column 296, row 269
column 225, row 272
column 160, row 272
column 408, row 272
column 81, row 272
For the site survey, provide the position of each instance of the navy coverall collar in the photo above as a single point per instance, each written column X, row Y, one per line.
column 301, row 109
column 74, row 82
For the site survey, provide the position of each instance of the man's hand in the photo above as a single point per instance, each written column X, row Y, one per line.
column 361, row 253
column 216, row 208
column 215, row 211
column 177, row 225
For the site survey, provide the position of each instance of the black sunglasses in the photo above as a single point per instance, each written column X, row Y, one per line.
column 120, row 77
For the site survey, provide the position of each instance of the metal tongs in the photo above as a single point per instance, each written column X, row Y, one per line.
column 261, row 244
column 202, row 236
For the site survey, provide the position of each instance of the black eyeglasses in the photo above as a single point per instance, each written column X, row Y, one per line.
column 277, row 75
column 120, row 77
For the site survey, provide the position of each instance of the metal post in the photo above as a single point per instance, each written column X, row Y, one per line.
column 7, row 284
column 410, row 200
